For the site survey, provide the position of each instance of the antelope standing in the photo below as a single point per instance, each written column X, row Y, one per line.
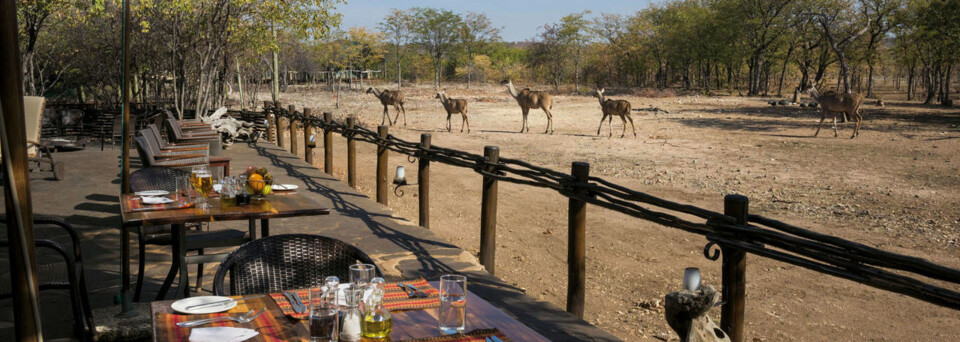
column 619, row 108
column 454, row 106
column 528, row 99
column 838, row 103
column 390, row 98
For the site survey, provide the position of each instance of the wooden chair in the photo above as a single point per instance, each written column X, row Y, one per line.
column 290, row 261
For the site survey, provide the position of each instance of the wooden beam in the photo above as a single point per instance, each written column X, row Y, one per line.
column 16, row 182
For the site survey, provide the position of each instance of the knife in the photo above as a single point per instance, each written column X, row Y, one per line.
column 293, row 302
column 495, row 339
column 220, row 302
column 303, row 308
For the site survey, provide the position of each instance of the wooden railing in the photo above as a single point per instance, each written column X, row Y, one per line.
column 734, row 233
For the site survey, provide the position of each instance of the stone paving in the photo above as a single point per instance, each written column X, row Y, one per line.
column 87, row 198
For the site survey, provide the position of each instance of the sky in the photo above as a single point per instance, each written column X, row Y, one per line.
column 520, row 20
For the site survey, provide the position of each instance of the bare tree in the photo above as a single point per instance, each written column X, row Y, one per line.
column 398, row 27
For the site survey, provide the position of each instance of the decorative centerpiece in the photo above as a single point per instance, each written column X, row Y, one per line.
column 259, row 182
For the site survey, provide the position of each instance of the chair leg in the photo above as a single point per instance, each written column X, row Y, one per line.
column 199, row 273
column 141, row 266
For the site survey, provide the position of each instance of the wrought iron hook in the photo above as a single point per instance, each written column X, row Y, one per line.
column 716, row 252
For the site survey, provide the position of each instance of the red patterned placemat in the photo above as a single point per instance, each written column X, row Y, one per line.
column 136, row 205
column 395, row 298
column 266, row 324
column 479, row 335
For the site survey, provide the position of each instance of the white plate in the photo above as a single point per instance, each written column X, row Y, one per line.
column 283, row 187
column 152, row 193
column 156, row 200
column 181, row 305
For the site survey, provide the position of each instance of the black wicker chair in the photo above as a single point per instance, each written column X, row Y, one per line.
column 283, row 262
column 65, row 274
column 163, row 178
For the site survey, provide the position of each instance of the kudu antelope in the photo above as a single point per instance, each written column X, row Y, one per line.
column 454, row 106
column 834, row 102
column 534, row 99
column 390, row 98
column 619, row 108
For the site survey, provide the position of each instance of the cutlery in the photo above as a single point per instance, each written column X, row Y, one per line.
column 411, row 291
column 221, row 302
column 417, row 292
column 293, row 302
column 245, row 318
column 495, row 339
column 303, row 308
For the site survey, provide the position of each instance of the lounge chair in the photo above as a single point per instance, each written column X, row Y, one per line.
column 149, row 160
column 176, row 135
column 37, row 152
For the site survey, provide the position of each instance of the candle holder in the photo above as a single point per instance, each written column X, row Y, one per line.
column 400, row 180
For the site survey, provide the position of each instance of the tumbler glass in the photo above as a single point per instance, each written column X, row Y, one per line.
column 453, row 303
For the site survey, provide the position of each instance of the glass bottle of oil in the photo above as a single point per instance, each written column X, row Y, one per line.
column 377, row 322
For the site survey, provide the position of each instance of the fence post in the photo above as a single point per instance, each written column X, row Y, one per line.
column 382, row 161
column 577, row 244
column 307, row 130
column 293, row 132
column 351, row 155
column 271, row 129
column 277, row 125
column 734, row 273
column 423, row 181
column 488, row 213
column 327, row 144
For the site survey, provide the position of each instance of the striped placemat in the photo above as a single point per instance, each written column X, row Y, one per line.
column 266, row 324
column 136, row 205
column 479, row 335
column 395, row 298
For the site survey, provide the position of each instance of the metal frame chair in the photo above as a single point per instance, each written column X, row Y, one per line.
column 288, row 261
column 50, row 275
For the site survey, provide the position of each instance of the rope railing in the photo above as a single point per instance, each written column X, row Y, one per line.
column 754, row 234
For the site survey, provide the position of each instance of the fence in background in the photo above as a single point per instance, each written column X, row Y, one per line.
column 732, row 234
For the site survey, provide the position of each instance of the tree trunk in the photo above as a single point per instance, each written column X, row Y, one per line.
column 911, row 75
column 239, row 84
column 870, row 80
column 275, row 91
column 399, row 72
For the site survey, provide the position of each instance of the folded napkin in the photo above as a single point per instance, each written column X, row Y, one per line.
column 395, row 298
column 156, row 200
column 221, row 334
column 479, row 335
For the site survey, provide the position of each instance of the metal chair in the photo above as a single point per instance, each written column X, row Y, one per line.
column 283, row 262
column 65, row 274
column 163, row 178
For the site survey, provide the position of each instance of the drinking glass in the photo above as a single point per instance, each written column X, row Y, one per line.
column 360, row 274
column 184, row 192
column 453, row 303
column 228, row 192
column 324, row 315
column 203, row 183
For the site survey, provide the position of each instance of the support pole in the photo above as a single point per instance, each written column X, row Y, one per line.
column 382, row 161
column 577, row 244
column 16, row 182
column 423, row 182
column 327, row 144
column 127, row 128
column 734, row 273
column 351, row 155
column 293, row 132
column 271, row 128
column 307, row 130
column 488, row 213
column 279, row 128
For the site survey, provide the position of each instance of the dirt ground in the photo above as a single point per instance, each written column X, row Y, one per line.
column 894, row 187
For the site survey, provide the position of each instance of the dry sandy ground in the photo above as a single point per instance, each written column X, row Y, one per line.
column 894, row 187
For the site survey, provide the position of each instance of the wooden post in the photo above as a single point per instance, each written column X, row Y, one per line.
column 488, row 214
column 423, row 182
column 293, row 132
column 16, row 184
column 351, row 155
column 577, row 244
column 307, row 130
column 328, row 144
column 382, row 161
column 277, row 125
column 734, row 273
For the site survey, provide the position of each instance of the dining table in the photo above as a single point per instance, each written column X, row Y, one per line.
column 280, row 204
column 416, row 324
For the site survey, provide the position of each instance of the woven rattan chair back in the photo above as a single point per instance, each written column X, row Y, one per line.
column 173, row 129
column 156, row 178
column 146, row 157
column 283, row 262
column 152, row 140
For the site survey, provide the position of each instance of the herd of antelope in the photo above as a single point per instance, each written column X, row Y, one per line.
column 829, row 102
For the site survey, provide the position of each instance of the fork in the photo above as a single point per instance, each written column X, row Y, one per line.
column 245, row 318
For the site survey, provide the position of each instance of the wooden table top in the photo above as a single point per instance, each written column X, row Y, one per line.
column 408, row 324
column 276, row 205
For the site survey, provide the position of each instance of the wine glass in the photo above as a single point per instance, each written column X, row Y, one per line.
column 203, row 183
